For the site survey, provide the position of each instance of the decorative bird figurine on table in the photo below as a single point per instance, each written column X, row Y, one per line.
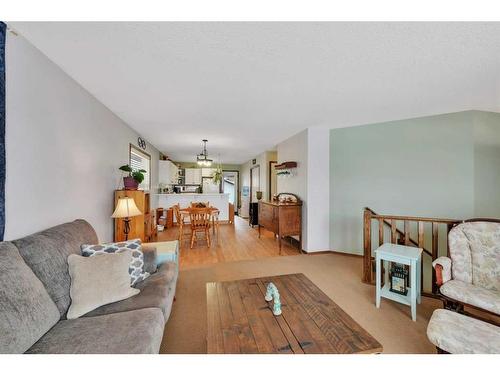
column 272, row 293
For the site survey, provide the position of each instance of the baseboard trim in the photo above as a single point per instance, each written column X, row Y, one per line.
column 333, row 252
column 347, row 254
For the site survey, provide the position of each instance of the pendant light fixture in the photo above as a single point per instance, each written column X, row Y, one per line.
column 202, row 158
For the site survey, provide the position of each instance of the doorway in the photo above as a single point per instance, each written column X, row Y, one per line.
column 273, row 180
column 230, row 183
column 254, row 183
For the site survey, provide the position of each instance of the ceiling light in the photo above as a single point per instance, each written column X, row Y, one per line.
column 202, row 158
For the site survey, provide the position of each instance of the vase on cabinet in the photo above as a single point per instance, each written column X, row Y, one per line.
column 130, row 183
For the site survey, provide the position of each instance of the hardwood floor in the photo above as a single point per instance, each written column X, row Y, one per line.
column 236, row 242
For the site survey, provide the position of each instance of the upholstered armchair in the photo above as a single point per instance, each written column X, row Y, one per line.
column 471, row 275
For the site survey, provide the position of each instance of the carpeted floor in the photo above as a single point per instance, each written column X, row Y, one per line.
column 339, row 276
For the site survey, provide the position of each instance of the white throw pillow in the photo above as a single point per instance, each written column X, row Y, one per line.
column 136, row 267
column 97, row 281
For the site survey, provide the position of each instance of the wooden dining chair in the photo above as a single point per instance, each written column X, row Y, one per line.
column 200, row 204
column 180, row 218
column 200, row 222
column 215, row 222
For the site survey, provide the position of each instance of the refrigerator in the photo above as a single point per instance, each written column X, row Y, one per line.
column 208, row 186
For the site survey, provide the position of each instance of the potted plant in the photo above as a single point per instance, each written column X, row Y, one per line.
column 134, row 178
column 217, row 176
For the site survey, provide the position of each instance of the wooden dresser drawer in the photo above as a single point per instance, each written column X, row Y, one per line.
column 284, row 219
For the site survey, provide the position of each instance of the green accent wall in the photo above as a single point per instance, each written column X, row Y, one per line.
column 487, row 164
column 440, row 166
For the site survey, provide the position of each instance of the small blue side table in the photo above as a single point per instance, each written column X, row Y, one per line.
column 410, row 256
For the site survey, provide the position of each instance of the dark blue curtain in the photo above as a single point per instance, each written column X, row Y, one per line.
column 2, row 129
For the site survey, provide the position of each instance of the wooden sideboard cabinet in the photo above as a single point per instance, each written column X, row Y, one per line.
column 142, row 226
column 283, row 219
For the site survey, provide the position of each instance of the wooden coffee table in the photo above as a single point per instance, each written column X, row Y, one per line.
column 241, row 321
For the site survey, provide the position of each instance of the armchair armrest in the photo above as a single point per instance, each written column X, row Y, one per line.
column 150, row 255
column 442, row 267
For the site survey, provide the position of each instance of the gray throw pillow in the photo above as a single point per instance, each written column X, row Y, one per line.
column 97, row 281
column 136, row 269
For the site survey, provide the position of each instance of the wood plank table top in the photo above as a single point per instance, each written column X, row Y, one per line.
column 241, row 321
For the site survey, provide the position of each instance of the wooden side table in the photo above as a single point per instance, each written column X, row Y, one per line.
column 410, row 256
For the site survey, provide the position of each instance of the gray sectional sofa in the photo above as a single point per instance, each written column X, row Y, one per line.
column 34, row 299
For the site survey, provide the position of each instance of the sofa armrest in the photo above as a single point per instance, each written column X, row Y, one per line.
column 150, row 256
column 442, row 267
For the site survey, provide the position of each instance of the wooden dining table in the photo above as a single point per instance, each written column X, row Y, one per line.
column 214, row 214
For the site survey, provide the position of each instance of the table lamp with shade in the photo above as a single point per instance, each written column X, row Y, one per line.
column 125, row 209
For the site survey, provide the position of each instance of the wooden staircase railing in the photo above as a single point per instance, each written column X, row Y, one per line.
column 402, row 237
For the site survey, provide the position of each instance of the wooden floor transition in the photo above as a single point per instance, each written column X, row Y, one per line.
column 236, row 243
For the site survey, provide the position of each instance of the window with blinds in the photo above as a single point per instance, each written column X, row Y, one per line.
column 141, row 160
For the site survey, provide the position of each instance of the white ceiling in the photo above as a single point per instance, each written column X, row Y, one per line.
column 248, row 86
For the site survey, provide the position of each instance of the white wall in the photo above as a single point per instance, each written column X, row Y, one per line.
column 295, row 149
column 63, row 147
column 311, row 182
column 318, row 189
column 486, row 164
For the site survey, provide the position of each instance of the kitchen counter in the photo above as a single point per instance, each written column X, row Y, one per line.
column 219, row 200
column 197, row 194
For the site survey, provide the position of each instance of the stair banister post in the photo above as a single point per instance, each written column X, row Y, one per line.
column 367, row 246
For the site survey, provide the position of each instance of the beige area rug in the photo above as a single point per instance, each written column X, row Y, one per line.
column 339, row 276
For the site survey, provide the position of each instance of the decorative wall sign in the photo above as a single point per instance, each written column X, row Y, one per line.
column 142, row 143
column 245, row 190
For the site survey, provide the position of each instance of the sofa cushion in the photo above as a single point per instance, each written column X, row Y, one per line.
column 131, row 332
column 98, row 280
column 484, row 240
column 150, row 259
column 157, row 290
column 26, row 310
column 460, row 334
column 460, row 254
column 473, row 295
column 136, row 267
column 47, row 252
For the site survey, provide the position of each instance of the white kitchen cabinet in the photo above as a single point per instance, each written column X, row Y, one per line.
column 197, row 176
column 164, row 175
column 193, row 176
column 189, row 176
column 167, row 172
column 207, row 172
column 174, row 174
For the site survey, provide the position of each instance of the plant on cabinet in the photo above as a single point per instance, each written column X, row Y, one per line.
column 134, row 178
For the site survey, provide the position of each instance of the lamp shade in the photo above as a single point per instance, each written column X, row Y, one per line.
column 126, row 207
